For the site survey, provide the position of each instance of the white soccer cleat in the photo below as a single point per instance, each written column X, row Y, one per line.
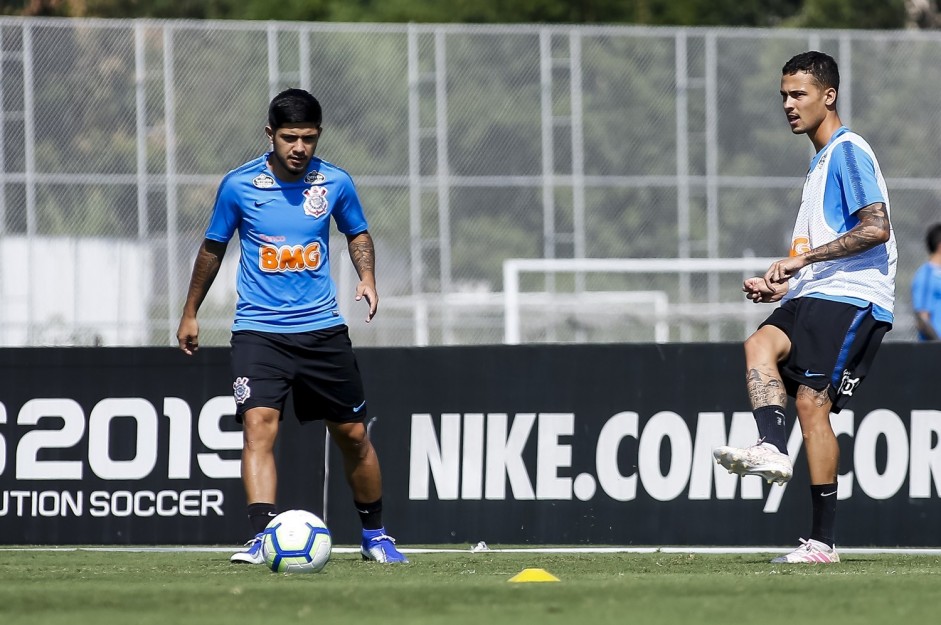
column 762, row 459
column 810, row 552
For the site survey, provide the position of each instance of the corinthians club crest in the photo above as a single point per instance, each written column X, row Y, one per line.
column 241, row 390
column 316, row 203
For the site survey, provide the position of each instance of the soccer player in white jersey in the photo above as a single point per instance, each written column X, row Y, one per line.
column 288, row 335
column 837, row 292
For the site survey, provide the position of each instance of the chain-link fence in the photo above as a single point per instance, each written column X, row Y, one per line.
column 470, row 145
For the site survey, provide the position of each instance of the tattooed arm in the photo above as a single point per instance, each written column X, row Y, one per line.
column 205, row 269
column 873, row 229
column 363, row 255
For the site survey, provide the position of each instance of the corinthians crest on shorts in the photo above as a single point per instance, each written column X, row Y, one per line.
column 241, row 390
column 316, row 203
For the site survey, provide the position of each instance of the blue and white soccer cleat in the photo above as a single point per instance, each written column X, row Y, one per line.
column 251, row 554
column 380, row 547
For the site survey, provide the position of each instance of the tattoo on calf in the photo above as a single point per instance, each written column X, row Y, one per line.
column 765, row 389
column 820, row 398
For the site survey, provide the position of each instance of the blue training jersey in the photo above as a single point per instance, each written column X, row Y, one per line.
column 926, row 294
column 284, row 282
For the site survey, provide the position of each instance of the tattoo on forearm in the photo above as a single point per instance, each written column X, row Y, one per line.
column 363, row 255
column 205, row 269
column 872, row 230
column 765, row 389
column 820, row 398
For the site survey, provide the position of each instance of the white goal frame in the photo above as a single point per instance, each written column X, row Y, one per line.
column 513, row 267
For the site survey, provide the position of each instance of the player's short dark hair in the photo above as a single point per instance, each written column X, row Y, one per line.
column 819, row 65
column 933, row 238
column 294, row 106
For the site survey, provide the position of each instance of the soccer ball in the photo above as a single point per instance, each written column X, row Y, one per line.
column 296, row 541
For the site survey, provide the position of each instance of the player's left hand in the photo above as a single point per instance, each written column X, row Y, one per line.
column 782, row 270
column 368, row 291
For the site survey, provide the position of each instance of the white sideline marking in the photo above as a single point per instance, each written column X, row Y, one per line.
column 928, row 551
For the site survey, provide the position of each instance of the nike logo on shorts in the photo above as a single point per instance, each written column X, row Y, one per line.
column 813, row 374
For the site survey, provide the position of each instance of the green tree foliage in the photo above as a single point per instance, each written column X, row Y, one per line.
column 722, row 12
column 872, row 14
column 177, row 9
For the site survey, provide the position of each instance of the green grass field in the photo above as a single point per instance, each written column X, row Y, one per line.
column 121, row 588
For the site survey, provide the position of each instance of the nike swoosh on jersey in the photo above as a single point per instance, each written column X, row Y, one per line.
column 360, row 407
column 813, row 374
column 263, row 202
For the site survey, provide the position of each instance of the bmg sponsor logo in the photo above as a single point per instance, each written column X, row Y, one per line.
column 286, row 258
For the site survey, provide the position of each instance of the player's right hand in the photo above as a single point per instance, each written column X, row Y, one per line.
column 188, row 335
column 758, row 290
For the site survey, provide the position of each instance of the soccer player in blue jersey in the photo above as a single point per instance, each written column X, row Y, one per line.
column 837, row 293
column 288, row 335
column 926, row 289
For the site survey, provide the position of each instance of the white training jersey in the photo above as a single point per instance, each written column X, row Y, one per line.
column 843, row 178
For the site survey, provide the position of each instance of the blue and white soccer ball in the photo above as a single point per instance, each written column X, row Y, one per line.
column 296, row 541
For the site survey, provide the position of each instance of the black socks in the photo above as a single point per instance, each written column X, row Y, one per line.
column 259, row 514
column 823, row 497
column 771, row 426
column 370, row 514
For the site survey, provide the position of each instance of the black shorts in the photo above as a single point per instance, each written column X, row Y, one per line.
column 832, row 345
column 319, row 368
